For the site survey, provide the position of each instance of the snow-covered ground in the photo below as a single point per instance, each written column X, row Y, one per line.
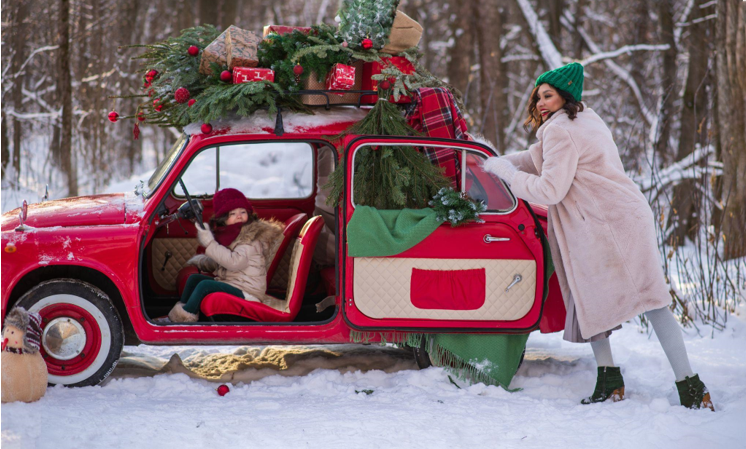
column 290, row 397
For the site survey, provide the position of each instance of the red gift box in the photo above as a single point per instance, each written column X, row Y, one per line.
column 340, row 77
column 374, row 68
column 249, row 74
column 282, row 29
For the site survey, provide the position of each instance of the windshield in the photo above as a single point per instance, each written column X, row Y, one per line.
column 165, row 165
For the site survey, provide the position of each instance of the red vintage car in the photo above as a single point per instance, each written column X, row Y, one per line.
column 100, row 268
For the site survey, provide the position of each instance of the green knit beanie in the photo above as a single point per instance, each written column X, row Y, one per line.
column 568, row 78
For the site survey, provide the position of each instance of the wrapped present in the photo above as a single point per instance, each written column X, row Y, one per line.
column 282, row 29
column 249, row 74
column 340, row 77
column 241, row 47
column 405, row 33
column 374, row 68
column 215, row 52
column 312, row 83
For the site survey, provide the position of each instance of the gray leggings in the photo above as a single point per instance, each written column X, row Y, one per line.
column 669, row 334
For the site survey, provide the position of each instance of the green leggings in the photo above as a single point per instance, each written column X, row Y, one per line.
column 199, row 285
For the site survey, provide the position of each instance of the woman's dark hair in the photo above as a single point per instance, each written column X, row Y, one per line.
column 220, row 221
column 534, row 120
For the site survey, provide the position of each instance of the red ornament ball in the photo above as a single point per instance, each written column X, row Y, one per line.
column 298, row 70
column 159, row 107
column 385, row 85
column 141, row 116
column 206, row 129
column 223, row 389
column 225, row 75
column 191, row 102
column 193, row 50
column 181, row 95
column 152, row 73
column 113, row 116
column 345, row 44
column 367, row 44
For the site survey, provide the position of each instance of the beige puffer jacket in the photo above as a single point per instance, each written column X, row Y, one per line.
column 243, row 264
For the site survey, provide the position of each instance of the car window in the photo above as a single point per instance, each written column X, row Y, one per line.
column 200, row 176
column 278, row 170
column 485, row 187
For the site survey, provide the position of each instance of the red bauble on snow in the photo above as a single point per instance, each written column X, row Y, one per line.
column 226, row 75
column 113, row 116
column 206, row 128
column 367, row 44
column 191, row 102
column 181, row 95
column 193, row 50
column 298, row 70
column 223, row 390
column 385, row 85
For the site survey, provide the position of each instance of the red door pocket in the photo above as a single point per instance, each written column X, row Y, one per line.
column 448, row 289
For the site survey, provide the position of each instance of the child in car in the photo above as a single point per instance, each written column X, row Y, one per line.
column 237, row 250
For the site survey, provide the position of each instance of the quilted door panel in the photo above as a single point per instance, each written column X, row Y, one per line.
column 168, row 257
column 382, row 288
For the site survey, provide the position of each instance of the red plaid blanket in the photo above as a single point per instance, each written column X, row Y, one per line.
column 435, row 114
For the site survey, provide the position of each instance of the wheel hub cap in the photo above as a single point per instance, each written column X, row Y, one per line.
column 64, row 338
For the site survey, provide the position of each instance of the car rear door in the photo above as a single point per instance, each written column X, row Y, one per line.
column 485, row 277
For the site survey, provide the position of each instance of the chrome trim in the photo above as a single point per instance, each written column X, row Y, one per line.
column 412, row 144
column 516, row 279
column 489, row 239
column 63, row 338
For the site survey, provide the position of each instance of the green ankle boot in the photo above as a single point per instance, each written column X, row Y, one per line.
column 693, row 393
column 609, row 384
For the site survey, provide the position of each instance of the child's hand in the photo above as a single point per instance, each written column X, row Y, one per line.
column 204, row 235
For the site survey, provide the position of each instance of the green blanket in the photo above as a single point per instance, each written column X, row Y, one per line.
column 375, row 233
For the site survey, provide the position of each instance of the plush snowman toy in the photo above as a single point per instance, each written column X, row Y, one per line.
column 24, row 373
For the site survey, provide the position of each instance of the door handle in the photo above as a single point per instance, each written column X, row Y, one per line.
column 168, row 256
column 489, row 239
column 516, row 279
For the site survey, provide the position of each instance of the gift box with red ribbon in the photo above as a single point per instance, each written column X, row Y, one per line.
column 374, row 68
column 340, row 77
column 249, row 74
column 322, row 99
column 283, row 29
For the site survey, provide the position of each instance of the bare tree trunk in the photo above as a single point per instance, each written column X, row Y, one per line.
column 228, row 13
column 208, row 12
column 5, row 144
column 492, row 72
column 65, row 86
column 732, row 125
column 576, row 38
column 19, row 55
column 668, row 79
column 694, row 123
column 460, row 61
column 186, row 14
column 555, row 8
column 641, row 19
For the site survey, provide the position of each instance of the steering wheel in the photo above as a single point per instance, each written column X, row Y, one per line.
column 192, row 209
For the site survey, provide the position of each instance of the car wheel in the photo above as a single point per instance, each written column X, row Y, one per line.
column 421, row 357
column 82, row 334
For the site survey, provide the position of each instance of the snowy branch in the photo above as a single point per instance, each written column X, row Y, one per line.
column 686, row 168
column 549, row 52
column 627, row 49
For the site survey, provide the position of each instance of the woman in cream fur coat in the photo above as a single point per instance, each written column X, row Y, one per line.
column 601, row 231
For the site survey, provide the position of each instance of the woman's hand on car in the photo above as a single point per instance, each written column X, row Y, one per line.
column 500, row 167
column 204, row 235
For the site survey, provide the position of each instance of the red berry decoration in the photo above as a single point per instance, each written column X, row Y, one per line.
column 367, row 44
column 191, row 102
column 385, row 85
column 159, row 107
column 152, row 73
column 113, row 116
column 225, row 75
column 206, row 129
column 345, row 44
column 298, row 70
column 223, row 390
column 181, row 95
column 193, row 50
column 141, row 116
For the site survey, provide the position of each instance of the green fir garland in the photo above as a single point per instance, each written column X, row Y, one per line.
column 366, row 19
column 457, row 208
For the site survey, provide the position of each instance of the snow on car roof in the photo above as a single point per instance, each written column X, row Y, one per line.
column 293, row 122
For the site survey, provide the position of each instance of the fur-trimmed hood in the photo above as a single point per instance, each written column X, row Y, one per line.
column 264, row 231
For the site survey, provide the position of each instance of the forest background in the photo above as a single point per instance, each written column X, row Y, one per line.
column 667, row 76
